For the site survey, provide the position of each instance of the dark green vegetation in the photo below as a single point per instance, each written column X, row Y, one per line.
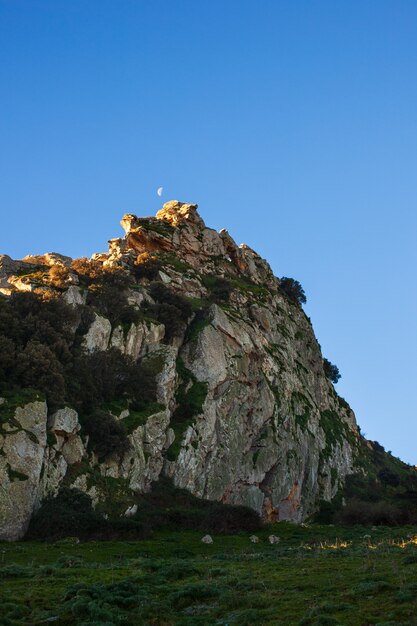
column 315, row 576
column 331, row 371
column 293, row 290
column 383, row 493
column 41, row 356
column 190, row 397
column 165, row 507
column 169, row 309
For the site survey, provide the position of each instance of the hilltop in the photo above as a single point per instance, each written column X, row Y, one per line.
column 177, row 355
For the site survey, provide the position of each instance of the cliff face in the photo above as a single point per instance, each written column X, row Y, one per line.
column 244, row 412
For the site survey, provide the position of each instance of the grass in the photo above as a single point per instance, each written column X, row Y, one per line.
column 190, row 397
column 153, row 225
column 197, row 325
column 172, row 260
column 315, row 575
column 139, row 418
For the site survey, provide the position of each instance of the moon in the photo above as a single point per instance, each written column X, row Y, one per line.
column 159, row 191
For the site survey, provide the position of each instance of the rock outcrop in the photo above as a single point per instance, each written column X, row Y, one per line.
column 22, row 445
column 268, row 430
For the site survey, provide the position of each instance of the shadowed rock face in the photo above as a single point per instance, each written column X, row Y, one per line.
column 270, row 431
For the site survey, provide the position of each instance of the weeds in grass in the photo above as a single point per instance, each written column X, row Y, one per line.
column 317, row 576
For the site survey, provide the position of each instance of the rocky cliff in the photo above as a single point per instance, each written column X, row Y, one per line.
column 242, row 410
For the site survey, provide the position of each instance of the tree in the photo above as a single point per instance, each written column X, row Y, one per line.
column 293, row 290
column 331, row 371
column 107, row 436
column 147, row 266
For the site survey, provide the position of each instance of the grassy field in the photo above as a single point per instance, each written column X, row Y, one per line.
column 315, row 575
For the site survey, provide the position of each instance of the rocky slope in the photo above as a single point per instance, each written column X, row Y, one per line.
column 243, row 411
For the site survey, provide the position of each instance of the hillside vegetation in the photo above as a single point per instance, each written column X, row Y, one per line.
column 314, row 576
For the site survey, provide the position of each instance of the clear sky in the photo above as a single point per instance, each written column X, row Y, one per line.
column 292, row 123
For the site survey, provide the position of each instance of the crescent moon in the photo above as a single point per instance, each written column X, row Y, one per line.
column 159, row 191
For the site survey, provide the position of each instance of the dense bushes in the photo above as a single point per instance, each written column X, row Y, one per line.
column 293, row 290
column 36, row 339
column 146, row 266
column 377, row 513
column 331, row 371
column 100, row 379
column 70, row 514
column 107, row 290
column 96, row 379
column 37, row 367
column 219, row 288
column 167, row 506
column 59, row 276
column 39, row 349
column 385, row 495
column 169, row 309
column 107, row 436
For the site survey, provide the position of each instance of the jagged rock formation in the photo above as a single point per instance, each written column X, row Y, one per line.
column 267, row 428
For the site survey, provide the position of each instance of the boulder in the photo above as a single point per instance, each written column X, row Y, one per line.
column 21, row 462
column 98, row 335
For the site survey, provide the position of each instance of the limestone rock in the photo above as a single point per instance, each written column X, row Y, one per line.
column 207, row 539
column 131, row 510
column 98, row 335
column 175, row 212
column 49, row 258
column 74, row 296
column 20, row 468
column 64, row 421
column 140, row 339
column 65, row 426
column 273, row 539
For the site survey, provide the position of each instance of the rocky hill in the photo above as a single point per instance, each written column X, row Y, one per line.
column 177, row 354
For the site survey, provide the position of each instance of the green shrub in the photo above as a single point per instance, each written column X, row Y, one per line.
column 331, row 371
column 37, row 366
column 200, row 321
column 192, row 593
column 102, row 604
column 370, row 513
column 170, row 309
column 107, row 436
column 293, row 290
column 219, row 288
column 70, row 513
column 146, row 266
column 227, row 519
column 160, row 293
column 59, row 276
column 36, row 338
column 167, row 506
column 190, row 398
column 16, row 571
column 410, row 560
column 96, row 379
column 169, row 316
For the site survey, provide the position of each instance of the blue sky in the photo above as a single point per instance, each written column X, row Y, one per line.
column 293, row 124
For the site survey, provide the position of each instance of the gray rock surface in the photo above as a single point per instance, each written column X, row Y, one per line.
column 22, row 450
